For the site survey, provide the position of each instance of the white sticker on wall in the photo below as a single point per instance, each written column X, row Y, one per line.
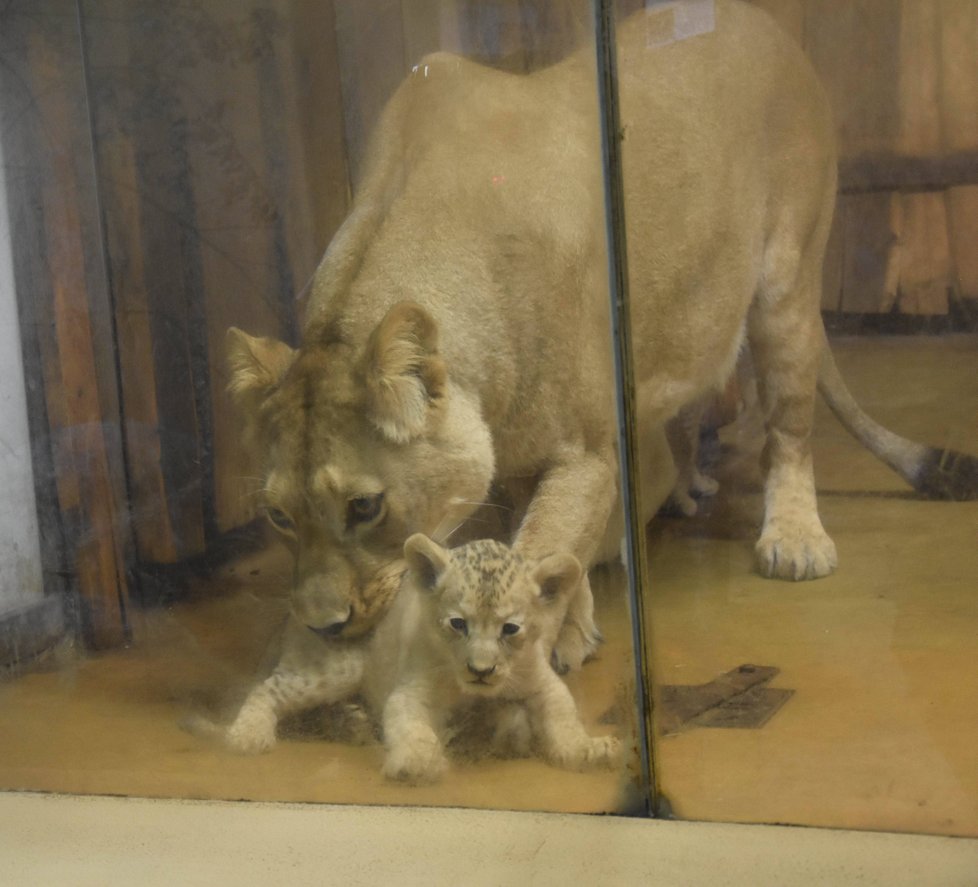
column 670, row 20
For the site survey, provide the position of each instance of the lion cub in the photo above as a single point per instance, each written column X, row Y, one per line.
column 485, row 627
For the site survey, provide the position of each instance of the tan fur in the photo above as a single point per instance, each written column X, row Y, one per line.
column 457, row 331
column 487, row 621
column 313, row 670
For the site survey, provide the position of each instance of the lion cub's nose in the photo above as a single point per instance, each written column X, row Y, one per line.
column 334, row 629
column 480, row 672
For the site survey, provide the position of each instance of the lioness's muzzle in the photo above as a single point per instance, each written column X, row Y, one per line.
column 333, row 629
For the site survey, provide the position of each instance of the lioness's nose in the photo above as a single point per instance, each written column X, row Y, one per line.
column 334, row 629
column 480, row 672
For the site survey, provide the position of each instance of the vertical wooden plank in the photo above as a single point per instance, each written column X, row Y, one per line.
column 962, row 210
column 958, row 53
column 834, row 257
column 925, row 251
column 891, row 282
column 317, row 163
column 370, row 38
column 237, row 168
column 222, row 148
column 959, row 124
column 429, row 26
column 21, row 134
column 855, row 47
column 82, row 454
column 790, row 14
column 924, row 255
column 870, row 240
column 65, row 314
column 152, row 526
column 920, row 79
column 521, row 35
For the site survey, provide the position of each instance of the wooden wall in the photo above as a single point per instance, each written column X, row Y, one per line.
column 902, row 76
column 174, row 168
column 65, row 317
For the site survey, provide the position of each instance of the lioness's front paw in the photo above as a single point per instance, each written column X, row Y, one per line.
column 796, row 555
column 704, row 485
column 418, row 763
column 591, row 753
column 574, row 646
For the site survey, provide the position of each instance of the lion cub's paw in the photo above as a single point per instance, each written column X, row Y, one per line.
column 796, row 555
column 251, row 736
column 421, row 762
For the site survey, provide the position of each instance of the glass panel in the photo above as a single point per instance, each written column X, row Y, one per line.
column 850, row 701
column 174, row 170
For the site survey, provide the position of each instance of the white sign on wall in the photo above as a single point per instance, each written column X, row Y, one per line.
column 670, row 20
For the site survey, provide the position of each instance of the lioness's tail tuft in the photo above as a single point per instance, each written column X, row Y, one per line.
column 946, row 474
column 935, row 473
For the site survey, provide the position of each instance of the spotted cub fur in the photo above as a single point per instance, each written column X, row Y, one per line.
column 317, row 668
column 486, row 622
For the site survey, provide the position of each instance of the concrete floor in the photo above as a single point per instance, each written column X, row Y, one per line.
column 108, row 841
column 881, row 733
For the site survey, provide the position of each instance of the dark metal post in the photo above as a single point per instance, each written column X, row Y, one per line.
column 635, row 563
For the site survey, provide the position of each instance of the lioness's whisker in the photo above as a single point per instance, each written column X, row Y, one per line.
column 482, row 504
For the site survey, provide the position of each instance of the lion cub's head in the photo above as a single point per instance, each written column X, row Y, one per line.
column 488, row 607
column 363, row 440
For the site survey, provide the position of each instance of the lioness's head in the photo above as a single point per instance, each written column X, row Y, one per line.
column 363, row 444
column 488, row 606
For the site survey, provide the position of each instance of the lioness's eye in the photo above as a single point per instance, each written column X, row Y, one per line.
column 364, row 509
column 510, row 628
column 459, row 625
column 280, row 520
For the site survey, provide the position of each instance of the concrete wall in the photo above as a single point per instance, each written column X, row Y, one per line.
column 20, row 558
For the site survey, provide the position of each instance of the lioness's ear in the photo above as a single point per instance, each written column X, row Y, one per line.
column 557, row 576
column 404, row 374
column 256, row 365
column 426, row 559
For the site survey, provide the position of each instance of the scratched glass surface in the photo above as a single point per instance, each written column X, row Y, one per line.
column 227, row 449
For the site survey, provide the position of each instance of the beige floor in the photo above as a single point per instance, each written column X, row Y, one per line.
column 882, row 732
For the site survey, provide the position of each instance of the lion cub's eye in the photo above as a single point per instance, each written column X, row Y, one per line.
column 280, row 520
column 364, row 509
column 510, row 628
column 459, row 624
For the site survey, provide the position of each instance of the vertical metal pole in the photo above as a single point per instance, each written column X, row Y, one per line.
column 635, row 563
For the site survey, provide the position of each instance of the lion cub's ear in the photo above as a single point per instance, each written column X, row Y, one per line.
column 427, row 560
column 404, row 374
column 256, row 365
column 557, row 576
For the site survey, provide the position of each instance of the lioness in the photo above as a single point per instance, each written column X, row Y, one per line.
column 457, row 327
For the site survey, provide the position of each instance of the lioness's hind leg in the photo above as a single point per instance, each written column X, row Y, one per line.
column 785, row 337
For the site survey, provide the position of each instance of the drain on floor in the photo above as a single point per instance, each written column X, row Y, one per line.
column 737, row 699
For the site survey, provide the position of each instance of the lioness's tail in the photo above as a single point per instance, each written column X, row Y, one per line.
column 938, row 474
